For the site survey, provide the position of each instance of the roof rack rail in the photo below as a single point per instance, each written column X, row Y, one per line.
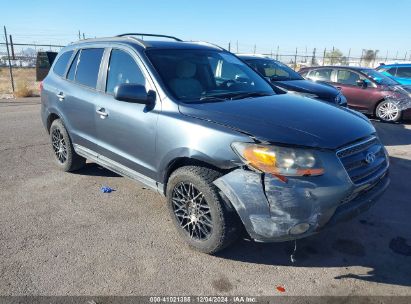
column 208, row 43
column 149, row 35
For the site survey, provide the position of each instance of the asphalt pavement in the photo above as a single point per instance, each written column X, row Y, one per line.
column 59, row 235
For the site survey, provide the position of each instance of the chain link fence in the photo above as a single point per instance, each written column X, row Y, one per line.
column 22, row 59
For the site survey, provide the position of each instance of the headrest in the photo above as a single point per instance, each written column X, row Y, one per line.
column 186, row 69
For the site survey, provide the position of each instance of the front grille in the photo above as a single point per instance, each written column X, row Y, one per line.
column 354, row 160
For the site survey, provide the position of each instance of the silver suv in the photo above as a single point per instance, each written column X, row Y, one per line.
column 199, row 126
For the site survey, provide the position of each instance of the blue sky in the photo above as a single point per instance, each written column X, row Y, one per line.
column 377, row 24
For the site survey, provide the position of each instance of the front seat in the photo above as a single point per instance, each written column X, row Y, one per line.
column 185, row 86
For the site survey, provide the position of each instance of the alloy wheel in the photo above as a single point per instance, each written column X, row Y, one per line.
column 388, row 111
column 192, row 211
column 59, row 145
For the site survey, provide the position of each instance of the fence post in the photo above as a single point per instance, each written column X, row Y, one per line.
column 313, row 58
column 12, row 48
column 325, row 51
column 8, row 56
column 348, row 58
column 278, row 49
column 295, row 59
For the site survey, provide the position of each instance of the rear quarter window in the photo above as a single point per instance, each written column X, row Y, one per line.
column 88, row 67
column 61, row 64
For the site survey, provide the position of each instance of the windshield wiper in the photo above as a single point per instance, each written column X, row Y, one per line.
column 212, row 98
column 249, row 94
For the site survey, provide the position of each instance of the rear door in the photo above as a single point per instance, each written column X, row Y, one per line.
column 79, row 97
column 127, row 131
column 357, row 97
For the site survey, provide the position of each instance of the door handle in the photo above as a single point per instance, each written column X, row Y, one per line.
column 60, row 96
column 102, row 112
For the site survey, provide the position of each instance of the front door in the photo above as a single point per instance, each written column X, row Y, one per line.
column 358, row 97
column 126, row 131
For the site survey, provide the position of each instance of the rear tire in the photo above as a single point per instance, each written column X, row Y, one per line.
column 201, row 216
column 66, row 158
column 388, row 111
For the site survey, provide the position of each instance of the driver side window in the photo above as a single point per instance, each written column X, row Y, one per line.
column 122, row 69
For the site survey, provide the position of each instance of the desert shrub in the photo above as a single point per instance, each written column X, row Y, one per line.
column 23, row 89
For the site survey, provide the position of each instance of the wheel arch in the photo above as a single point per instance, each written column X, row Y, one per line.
column 184, row 161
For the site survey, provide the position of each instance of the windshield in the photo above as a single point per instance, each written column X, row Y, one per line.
column 379, row 78
column 206, row 76
column 274, row 70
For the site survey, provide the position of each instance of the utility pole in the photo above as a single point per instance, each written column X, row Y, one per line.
column 8, row 56
column 325, row 50
column 349, row 54
column 79, row 36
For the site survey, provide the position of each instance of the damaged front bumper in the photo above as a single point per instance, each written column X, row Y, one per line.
column 274, row 211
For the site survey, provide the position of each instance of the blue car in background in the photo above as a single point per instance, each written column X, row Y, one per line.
column 398, row 72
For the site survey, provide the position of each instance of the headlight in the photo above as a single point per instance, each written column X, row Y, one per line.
column 309, row 95
column 279, row 161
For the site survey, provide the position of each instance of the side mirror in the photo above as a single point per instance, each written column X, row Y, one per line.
column 131, row 92
column 362, row 83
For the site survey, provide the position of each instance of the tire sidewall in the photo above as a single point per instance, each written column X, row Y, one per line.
column 216, row 210
column 57, row 124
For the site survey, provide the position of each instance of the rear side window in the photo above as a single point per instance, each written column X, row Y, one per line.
column 321, row 75
column 61, row 64
column 88, row 67
column 72, row 71
column 122, row 69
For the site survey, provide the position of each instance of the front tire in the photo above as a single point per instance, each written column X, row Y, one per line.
column 388, row 111
column 66, row 158
column 201, row 216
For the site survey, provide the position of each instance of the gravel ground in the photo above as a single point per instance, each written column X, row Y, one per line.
column 59, row 235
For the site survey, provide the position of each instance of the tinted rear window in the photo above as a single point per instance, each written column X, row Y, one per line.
column 88, row 67
column 61, row 64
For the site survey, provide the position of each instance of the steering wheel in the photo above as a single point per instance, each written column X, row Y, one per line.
column 228, row 83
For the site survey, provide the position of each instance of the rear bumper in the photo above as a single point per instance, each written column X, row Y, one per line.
column 274, row 211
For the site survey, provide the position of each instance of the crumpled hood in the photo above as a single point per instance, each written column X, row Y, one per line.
column 308, row 86
column 286, row 119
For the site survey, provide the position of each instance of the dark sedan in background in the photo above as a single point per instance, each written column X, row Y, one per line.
column 284, row 77
column 366, row 90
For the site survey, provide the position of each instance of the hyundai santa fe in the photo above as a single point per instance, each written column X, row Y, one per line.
column 202, row 128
